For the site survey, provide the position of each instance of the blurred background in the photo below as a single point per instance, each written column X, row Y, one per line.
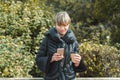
column 23, row 24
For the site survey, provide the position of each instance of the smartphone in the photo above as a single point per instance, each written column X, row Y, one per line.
column 60, row 51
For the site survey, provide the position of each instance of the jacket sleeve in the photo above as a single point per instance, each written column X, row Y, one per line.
column 42, row 59
column 82, row 66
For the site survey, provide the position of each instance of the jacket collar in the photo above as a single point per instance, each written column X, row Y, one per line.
column 69, row 37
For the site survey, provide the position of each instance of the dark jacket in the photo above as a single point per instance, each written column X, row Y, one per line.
column 63, row 69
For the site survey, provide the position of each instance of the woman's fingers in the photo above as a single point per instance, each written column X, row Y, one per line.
column 57, row 57
column 77, row 58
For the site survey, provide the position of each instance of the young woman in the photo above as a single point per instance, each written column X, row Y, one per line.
column 58, row 64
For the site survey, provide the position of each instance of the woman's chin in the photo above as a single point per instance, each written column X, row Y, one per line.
column 62, row 34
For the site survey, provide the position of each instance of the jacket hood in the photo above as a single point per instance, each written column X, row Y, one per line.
column 69, row 37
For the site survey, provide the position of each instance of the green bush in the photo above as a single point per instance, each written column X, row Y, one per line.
column 22, row 28
column 101, row 60
column 100, row 33
column 27, row 20
column 15, row 61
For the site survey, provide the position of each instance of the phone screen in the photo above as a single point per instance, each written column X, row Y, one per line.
column 60, row 51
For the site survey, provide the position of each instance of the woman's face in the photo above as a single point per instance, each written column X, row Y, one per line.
column 62, row 29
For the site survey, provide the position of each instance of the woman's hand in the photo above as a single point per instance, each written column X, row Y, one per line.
column 76, row 59
column 56, row 57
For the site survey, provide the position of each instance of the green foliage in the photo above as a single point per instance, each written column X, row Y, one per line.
column 26, row 20
column 79, row 10
column 106, row 10
column 101, row 60
column 15, row 61
column 99, row 34
column 22, row 28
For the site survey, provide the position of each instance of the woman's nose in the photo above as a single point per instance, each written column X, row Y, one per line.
column 62, row 28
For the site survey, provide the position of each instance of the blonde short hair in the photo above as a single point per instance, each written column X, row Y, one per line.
column 62, row 18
